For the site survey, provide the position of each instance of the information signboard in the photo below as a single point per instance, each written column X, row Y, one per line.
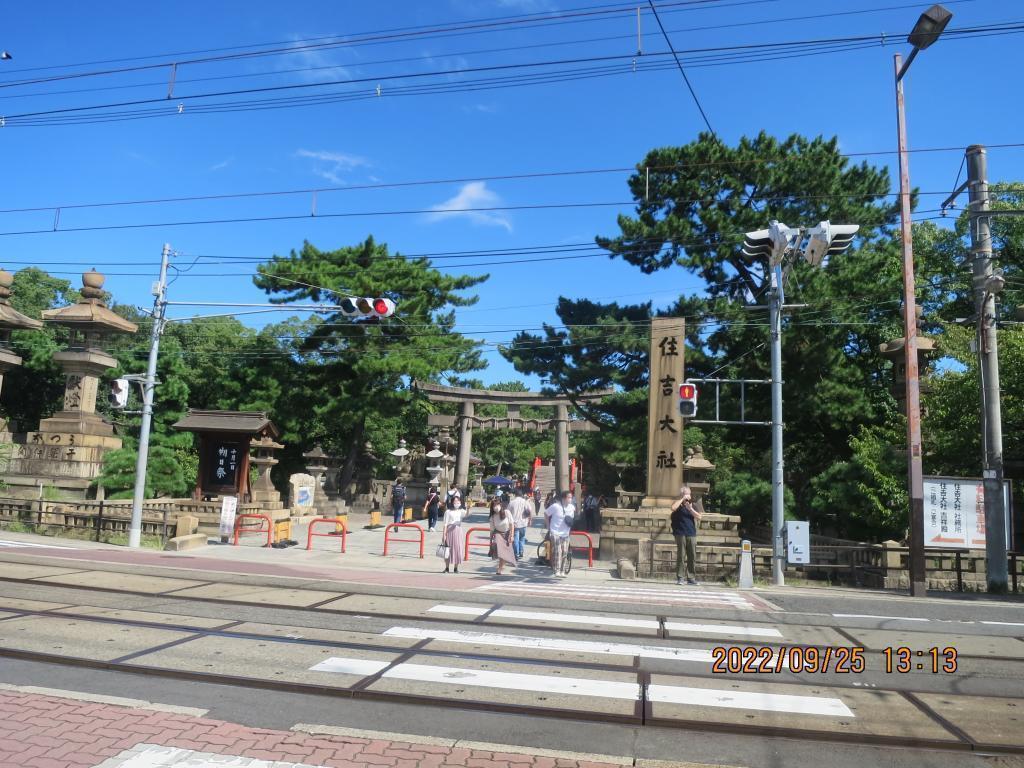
column 954, row 513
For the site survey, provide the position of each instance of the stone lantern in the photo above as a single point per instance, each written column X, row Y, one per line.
column 67, row 450
column 263, row 491
column 10, row 320
column 697, row 475
column 892, row 350
column 90, row 323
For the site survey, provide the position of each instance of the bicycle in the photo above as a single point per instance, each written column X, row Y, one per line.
column 544, row 555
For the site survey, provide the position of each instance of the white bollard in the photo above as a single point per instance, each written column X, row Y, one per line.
column 746, row 566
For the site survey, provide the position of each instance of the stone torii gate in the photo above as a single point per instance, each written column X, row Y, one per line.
column 467, row 420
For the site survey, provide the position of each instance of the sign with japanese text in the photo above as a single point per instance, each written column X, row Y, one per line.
column 665, row 425
column 224, row 460
column 228, row 509
column 954, row 513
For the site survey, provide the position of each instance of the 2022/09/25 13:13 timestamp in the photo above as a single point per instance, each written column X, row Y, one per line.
column 935, row 660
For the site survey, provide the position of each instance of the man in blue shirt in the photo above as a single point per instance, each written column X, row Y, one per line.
column 685, row 519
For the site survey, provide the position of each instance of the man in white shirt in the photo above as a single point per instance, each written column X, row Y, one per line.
column 522, row 511
column 559, row 516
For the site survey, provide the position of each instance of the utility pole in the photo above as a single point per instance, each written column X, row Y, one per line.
column 986, row 286
column 775, row 301
column 148, row 385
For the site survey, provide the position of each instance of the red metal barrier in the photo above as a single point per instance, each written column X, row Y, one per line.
column 387, row 534
column 333, row 521
column 478, row 543
column 269, row 529
column 590, row 546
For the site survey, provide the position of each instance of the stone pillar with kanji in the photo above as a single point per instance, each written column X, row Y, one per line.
column 664, row 423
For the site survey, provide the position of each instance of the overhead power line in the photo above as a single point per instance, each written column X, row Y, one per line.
column 145, row 108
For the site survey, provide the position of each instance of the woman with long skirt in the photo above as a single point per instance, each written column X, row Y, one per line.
column 453, row 516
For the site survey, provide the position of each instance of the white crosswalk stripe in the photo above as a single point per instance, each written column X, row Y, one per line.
column 608, row 622
column 697, row 696
column 553, row 644
column 11, row 543
column 679, row 596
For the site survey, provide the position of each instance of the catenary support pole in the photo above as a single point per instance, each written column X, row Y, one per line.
column 988, row 363
column 915, row 471
column 778, row 492
column 159, row 310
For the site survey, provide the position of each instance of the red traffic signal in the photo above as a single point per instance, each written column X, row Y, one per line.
column 364, row 306
column 688, row 400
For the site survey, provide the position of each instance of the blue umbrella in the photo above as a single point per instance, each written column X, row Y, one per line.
column 498, row 480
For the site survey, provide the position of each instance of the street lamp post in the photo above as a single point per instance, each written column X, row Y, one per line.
column 927, row 30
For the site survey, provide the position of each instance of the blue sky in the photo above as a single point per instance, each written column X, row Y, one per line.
column 959, row 92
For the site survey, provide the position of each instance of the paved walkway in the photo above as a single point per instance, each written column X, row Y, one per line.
column 54, row 731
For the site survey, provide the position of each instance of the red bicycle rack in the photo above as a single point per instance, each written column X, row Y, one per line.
column 269, row 530
column 391, row 526
column 590, row 546
column 332, row 521
column 477, row 543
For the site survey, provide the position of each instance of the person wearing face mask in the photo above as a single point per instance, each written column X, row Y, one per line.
column 502, row 528
column 452, row 526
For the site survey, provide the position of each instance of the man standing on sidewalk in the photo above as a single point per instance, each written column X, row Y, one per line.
column 522, row 512
column 685, row 518
column 559, row 516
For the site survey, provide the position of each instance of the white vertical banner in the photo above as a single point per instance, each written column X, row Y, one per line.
column 954, row 513
column 228, row 508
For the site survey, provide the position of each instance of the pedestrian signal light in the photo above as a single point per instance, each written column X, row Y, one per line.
column 363, row 306
column 118, row 396
column 688, row 400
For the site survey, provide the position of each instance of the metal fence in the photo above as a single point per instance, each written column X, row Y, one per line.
column 94, row 517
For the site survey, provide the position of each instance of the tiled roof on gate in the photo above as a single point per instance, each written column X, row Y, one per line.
column 242, row 422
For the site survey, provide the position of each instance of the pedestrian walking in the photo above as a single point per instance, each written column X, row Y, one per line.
column 398, row 500
column 685, row 518
column 502, row 530
column 592, row 512
column 432, row 506
column 559, row 517
column 522, row 513
column 453, row 517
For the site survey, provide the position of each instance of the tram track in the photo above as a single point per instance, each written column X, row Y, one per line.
column 643, row 713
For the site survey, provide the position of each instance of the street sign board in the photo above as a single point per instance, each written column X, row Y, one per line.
column 954, row 513
column 228, row 508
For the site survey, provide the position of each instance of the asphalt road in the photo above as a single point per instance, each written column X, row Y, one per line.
column 621, row 669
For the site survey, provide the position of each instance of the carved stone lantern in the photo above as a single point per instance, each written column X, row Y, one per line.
column 697, row 475
column 927, row 350
column 263, row 491
column 89, row 324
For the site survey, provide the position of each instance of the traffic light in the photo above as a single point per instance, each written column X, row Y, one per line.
column 688, row 400
column 828, row 239
column 771, row 243
column 362, row 306
column 118, row 396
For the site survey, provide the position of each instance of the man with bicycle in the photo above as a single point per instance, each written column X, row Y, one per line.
column 559, row 517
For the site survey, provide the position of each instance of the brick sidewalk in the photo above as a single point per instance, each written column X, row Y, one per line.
column 46, row 731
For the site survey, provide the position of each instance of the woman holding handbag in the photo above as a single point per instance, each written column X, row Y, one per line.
column 452, row 523
column 502, row 530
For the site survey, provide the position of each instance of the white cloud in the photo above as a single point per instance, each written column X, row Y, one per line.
column 330, row 165
column 528, row 6
column 475, row 194
column 222, row 164
column 314, row 64
column 487, row 109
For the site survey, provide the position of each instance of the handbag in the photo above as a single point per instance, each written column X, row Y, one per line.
column 442, row 551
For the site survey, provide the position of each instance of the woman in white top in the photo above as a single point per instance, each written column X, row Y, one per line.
column 502, row 526
column 453, row 532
